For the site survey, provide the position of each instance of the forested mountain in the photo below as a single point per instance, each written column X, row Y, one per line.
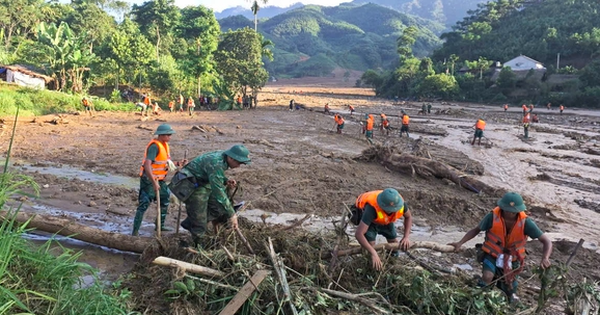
column 504, row 29
column 266, row 12
column 446, row 12
column 313, row 40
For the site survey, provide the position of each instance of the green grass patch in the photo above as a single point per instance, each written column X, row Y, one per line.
column 42, row 102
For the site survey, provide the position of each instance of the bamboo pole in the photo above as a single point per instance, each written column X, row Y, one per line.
column 393, row 246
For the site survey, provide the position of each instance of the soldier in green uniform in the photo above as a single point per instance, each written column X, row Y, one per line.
column 209, row 202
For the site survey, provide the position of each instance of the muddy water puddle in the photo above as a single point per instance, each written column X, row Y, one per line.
column 66, row 171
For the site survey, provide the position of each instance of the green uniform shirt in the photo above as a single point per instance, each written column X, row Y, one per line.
column 369, row 214
column 210, row 168
column 531, row 229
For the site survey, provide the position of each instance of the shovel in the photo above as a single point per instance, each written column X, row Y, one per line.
column 179, row 213
column 158, row 225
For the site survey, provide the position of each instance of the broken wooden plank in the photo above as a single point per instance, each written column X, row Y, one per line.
column 240, row 298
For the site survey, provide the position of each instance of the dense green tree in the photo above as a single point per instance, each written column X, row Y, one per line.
column 439, row 85
column 371, row 79
column 156, row 18
column 89, row 18
column 506, row 80
column 200, row 29
column 20, row 17
column 239, row 60
column 129, row 50
column 406, row 42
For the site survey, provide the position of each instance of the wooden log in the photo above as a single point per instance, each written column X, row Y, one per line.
column 67, row 227
column 186, row 266
column 240, row 298
column 392, row 246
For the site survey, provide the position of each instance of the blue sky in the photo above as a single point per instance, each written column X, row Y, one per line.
column 221, row 5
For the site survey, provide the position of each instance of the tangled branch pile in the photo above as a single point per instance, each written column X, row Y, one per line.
column 314, row 287
column 419, row 161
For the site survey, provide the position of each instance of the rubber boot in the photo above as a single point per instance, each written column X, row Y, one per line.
column 137, row 222
column 163, row 217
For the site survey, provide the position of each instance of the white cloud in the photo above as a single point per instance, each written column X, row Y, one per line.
column 221, row 5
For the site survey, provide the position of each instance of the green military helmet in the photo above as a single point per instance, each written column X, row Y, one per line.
column 512, row 202
column 164, row 129
column 389, row 200
column 239, row 153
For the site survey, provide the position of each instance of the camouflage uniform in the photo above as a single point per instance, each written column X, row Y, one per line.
column 209, row 201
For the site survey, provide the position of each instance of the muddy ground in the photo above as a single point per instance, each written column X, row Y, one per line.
column 87, row 167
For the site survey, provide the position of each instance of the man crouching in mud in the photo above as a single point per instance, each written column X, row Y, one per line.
column 209, row 201
column 506, row 230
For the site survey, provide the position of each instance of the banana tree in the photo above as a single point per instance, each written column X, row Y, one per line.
column 57, row 41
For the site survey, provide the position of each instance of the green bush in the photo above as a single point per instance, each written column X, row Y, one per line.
column 43, row 102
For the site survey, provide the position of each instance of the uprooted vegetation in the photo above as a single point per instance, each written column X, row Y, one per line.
column 316, row 285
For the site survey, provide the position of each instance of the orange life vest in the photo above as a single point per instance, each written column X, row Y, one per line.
column 339, row 120
column 480, row 125
column 159, row 166
column 524, row 107
column 171, row 103
column 190, row 101
column 405, row 120
column 147, row 100
column 561, row 107
column 496, row 240
column 86, row 102
column 382, row 218
column 351, row 107
column 526, row 119
column 385, row 123
column 505, row 106
column 383, row 117
column 370, row 123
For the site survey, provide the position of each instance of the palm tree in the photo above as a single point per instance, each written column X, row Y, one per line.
column 255, row 8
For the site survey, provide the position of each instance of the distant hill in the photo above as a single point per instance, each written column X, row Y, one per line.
column 447, row 12
column 266, row 12
column 314, row 40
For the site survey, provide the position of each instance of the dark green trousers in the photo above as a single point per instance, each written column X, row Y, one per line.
column 201, row 208
column 146, row 196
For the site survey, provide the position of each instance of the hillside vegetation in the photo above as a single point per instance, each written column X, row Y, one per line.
column 313, row 40
column 446, row 12
column 504, row 29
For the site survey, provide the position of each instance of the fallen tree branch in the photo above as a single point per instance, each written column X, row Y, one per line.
column 244, row 240
column 67, row 227
column 357, row 298
column 393, row 246
column 280, row 271
column 186, row 266
column 297, row 223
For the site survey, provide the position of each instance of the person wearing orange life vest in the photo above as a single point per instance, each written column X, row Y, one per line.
column 87, row 105
column 505, row 107
column 526, row 121
column 380, row 210
column 351, row 108
column 405, row 121
column 171, row 105
column 479, row 128
column 339, row 121
column 506, row 230
column 385, row 124
column 369, row 128
column 524, row 107
column 561, row 108
column 190, row 106
column 153, row 171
